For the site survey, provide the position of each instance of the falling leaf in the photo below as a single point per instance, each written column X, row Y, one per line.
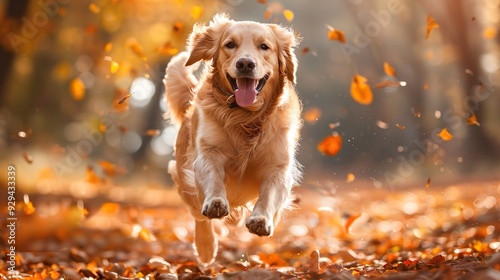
column 400, row 126
column 196, row 11
column 136, row 48
column 428, row 183
column 360, row 90
column 108, row 47
column 94, row 8
column 489, row 33
column 268, row 13
column 120, row 104
column 473, row 120
column 77, row 89
column 382, row 124
column 288, row 15
column 330, row 145
column 445, row 135
column 389, row 70
column 387, row 84
column 153, row 132
column 333, row 125
column 350, row 220
column 110, row 169
column 91, row 177
column 27, row 157
column 312, row 115
column 262, row 1
column 178, row 26
column 124, row 99
column 167, row 49
column 350, row 178
column 431, row 24
column 335, row 34
column 109, row 208
column 304, row 50
column 114, row 67
column 29, row 208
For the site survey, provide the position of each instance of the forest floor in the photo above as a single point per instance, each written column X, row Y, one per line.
column 436, row 232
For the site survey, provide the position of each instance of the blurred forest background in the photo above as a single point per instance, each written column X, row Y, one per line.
column 81, row 93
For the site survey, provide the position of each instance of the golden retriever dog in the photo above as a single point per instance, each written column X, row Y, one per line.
column 239, row 125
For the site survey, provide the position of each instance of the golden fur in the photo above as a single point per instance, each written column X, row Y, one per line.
column 228, row 157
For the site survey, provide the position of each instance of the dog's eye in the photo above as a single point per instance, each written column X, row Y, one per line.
column 230, row 45
column 264, row 47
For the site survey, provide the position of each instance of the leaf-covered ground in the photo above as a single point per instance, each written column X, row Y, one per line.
column 448, row 232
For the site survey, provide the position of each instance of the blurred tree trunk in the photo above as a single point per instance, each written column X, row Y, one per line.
column 14, row 12
column 457, row 26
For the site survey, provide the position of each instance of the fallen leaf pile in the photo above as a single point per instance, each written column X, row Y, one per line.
column 449, row 232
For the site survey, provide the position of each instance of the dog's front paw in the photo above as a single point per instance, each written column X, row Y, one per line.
column 215, row 208
column 260, row 225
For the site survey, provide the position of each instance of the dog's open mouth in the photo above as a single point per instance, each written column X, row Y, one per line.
column 246, row 89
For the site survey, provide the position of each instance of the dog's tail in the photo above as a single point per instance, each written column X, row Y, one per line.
column 179, row 84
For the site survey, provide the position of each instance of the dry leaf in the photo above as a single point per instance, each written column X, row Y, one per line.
column 262, row 1
column 94, row 8
column 288, row 15
column 330, row 145
column 445, row 135
column 178, row 26
column 120, row 103
column 136, row 48
column 196, row 11
column 360, row 90
column 428, row 183
column 400, row 126
column 110, row 169
column 77, row 89
column 351, row 220
column 114, row 67
column 431, row 24
column 153, row 132
column 387, row 84
column 304, row 50
column 108, row 47
column 312, row 115
column 91, row 177
column 389, row 70
column 350, row 178
column 489, row 33
column 268, row 13
column 27, row 157
column 473, row 120
column 335, row 34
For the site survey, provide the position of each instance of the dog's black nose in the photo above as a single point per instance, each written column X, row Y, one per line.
column 245, row 64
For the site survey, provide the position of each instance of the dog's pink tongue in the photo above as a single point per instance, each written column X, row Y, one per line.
column 246, row 93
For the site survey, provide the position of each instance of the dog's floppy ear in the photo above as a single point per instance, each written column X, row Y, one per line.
column 287, row 41
column 203, row 41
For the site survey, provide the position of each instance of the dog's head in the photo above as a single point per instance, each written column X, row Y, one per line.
column 247, row 57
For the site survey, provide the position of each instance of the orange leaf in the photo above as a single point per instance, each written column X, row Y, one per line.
column 437, row 260
column 351, row 220
column 272, row 259
column 360, row 90
column 389, row 70
column 121, row 101
column 110, row 208
column 92, row 177
column 489, row 33
column 178, row 26
column 268, row 13
column 77, row 89
column 400, row 126
column 288, row 15
column 330, row 145
column 153, row 132
column 304, row 50
column 27, row 157
column 29, row 208
column 94, row 8
column 473, row 120
column 431, row 24
column 445, row 135
column 114, row 67
column 428, row 183
column 136, row 48
column 312, row 115
column 350, row 178
column 108, row 47
column 335, row 34
column 111, row 169
column 387, row 84
column 196, row 11
column 167, row 49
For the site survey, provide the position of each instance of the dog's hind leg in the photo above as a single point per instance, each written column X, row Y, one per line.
column 205, row 241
